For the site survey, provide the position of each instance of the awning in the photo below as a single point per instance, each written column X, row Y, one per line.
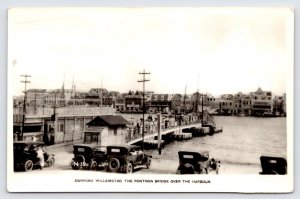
column 29, row 124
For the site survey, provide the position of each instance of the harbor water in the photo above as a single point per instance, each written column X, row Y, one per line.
column 238, row 147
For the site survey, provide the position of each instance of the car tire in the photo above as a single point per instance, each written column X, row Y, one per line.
column 51, row 161
column 129, row 167
column 75, row 167
column 94, row 165
column 188, row 169
column 114, row 164
column 28, row 166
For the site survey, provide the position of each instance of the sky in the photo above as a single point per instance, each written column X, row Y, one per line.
column 213, row 50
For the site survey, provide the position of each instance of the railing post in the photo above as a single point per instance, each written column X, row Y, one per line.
column 158, row 130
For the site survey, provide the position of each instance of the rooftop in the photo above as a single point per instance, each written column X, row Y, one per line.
column 108, row 120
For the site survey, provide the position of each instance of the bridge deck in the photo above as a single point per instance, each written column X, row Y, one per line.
column 166, row 131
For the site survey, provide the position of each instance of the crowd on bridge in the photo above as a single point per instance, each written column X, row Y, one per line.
column 135, row 128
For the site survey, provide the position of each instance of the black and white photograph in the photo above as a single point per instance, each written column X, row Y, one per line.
column 150, row 99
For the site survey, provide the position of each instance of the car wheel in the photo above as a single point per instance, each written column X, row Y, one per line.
column 188, row 169
column 114, row 164
column 129, row 167
column 75, row 167
column 94, row 165
column 51, row 161
column 28, row 165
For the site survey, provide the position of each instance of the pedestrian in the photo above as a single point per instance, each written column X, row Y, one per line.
column 40, row 156
column 33, row 138
column 160, row 149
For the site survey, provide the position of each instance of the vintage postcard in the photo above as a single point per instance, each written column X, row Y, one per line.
column 150, row 99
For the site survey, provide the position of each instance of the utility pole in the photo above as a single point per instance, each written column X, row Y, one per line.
column 35, row 103
column 202, row 108
column 143, row 81
column 184, row 97
column 73, row 92
column 43, row 104
column 197, row 96
column 24, row 104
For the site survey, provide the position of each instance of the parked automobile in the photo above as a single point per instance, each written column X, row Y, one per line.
column 196, row 163
column 26, row 158
column 272, row 165
column 126, row 158
column 89, row 157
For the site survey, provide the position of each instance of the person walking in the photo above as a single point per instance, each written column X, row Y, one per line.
column 160, row 149
column 40, row 156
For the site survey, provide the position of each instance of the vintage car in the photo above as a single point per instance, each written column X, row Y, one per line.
column 25, row 156
column 89, row 157
column 272, row 165
column 126, row 158
column 196, row 163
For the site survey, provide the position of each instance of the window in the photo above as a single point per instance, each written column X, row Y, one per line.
column 115, row 131
column 61, row 127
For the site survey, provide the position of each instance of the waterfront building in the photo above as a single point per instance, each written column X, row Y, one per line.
column 120, row 102
column 57, row 97
column 67, row 124
column 134, row 102
column 212, row 101
column 159, row 103
column 106, row 130
column 98, row 91
column 262, row 103
column 100, row 97
column 247, row 104
column 209, row 102
column 238, row 103
column 279, row 105
column 18, row 101
column 78, row 99
column 242, row 104
column 226, row 104
column 148, row 95
column 95, row 97
column 176, row 101
column 33, row 127
column 35, row 97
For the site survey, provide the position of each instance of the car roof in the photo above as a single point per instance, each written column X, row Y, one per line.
column 124, row 146
column 193, row 152
column 196, row 155
column 87, row 145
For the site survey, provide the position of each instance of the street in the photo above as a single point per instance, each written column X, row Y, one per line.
column 159, row 165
